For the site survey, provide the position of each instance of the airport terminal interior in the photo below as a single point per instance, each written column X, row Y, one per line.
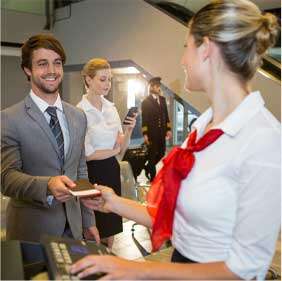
column 130, row 34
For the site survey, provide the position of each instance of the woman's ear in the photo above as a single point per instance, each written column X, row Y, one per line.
column 206, row 48
column 88, row 79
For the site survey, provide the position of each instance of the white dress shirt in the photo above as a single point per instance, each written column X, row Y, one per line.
column 43, row 105
column 102, row 126
column 228, row 208
column 156, row 98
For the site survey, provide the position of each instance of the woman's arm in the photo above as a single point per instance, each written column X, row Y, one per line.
column 128, row 129
column 110, row 202
column 125, row 143
column 118, row 268
column 131, row 210
column 192, row 271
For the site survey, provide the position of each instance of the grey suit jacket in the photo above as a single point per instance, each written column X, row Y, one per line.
column 29, row 157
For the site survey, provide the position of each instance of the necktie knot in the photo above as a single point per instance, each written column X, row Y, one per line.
column 52, row 111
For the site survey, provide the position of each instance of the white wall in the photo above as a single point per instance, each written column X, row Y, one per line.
column 14, row 85
column 127, row 29
column 16, row 27
column 271, row 92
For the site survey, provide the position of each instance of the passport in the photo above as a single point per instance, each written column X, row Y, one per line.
column 84, row 188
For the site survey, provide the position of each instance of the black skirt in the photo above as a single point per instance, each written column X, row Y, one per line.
column 106, row 172
column 177, row 257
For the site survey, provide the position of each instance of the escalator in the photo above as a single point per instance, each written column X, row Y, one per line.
column 271, row 61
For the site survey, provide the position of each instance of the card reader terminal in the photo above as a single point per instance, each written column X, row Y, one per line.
column 62, row 252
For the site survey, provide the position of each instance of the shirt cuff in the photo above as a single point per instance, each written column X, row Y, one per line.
column 50, row 199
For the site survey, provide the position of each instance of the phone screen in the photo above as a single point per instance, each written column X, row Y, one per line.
column 130, row 113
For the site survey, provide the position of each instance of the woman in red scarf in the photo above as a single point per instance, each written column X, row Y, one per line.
column 218, row 196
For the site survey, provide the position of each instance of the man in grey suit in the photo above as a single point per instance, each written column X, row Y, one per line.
column 42, row 152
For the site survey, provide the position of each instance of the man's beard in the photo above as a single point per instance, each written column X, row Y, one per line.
column 45, row 89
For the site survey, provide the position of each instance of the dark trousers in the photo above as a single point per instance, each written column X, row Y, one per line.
column 156, row 152
column 177, row 257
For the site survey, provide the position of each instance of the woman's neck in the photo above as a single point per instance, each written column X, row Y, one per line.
column 225, row 99
column 95, row 100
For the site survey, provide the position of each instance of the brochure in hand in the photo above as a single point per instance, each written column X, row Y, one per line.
column 84, row 189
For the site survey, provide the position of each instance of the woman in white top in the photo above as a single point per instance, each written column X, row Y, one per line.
column 227, row 214
column 104, row 139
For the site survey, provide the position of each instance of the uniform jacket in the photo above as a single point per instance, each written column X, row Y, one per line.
column 155, row 121
column 29, row 157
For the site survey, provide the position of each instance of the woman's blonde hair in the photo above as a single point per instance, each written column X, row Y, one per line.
column 241, row 31
column 92, row 66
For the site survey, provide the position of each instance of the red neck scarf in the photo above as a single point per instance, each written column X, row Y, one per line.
column 163, row 193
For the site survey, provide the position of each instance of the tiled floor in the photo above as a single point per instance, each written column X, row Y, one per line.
column 124, row 245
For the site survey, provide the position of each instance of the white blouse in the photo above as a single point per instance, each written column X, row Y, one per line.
column 228, row 208
column 102, row 126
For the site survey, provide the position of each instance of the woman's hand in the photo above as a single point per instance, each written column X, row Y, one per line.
column 102, row 203
column 115, row 268
column 130, row 122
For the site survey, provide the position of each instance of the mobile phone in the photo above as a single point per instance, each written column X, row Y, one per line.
column 133, row 110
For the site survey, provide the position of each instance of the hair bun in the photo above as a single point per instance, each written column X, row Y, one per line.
column 267, row 32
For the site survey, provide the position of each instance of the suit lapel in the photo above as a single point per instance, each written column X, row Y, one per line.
column 34, row 112
column 71, row 127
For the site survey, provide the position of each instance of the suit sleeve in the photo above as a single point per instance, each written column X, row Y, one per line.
column 15, row 183
column 88, row 217
column 168, row 125
column 145, row 117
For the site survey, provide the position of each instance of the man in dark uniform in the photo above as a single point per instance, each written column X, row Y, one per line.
column 155, row 125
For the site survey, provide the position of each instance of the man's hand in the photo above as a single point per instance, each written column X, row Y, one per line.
column 92, row 233
column 59, row 187
column 146, row 139
column 168, row 135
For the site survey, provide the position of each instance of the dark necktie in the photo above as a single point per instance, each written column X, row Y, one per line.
column 163, row 193
column 56, row 130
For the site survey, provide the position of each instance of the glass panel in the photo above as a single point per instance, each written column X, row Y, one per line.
column 178, row 123
column 25, row 6
column 192, row 117
column 275, row 53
